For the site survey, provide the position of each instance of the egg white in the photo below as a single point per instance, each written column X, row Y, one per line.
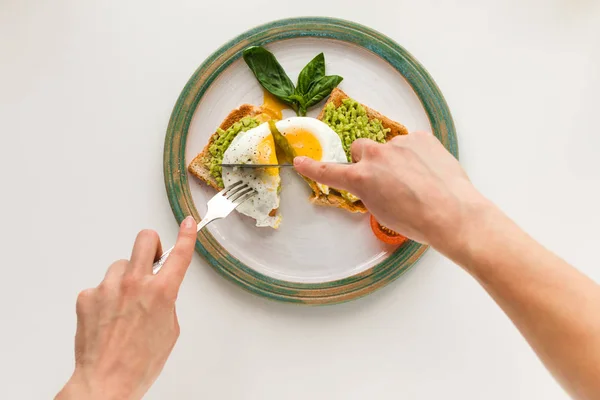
column 248, row 148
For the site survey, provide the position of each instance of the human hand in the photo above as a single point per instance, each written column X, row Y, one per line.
column 127, row 326
column 411, row 184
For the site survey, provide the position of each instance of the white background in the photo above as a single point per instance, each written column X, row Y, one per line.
column 86, row 91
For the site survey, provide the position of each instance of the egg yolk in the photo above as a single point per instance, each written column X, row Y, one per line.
column 305, row 143
column 272, row 106
column 266, row 154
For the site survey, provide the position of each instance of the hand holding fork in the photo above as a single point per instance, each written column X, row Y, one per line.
column 220, row 206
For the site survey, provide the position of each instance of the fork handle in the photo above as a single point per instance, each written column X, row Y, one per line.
column 163, row 258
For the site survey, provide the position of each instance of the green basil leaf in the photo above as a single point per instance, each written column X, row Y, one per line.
column 312, row 72
column 270, row 73
column 321, row 89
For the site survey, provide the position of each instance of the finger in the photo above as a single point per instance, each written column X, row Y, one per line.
column 361, row 148
column 330, row 174
column 146, row 249
column 179, row 260
column 115, row 272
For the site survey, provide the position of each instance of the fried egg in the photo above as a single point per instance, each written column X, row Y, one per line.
column 255, row 146
column 313, row 138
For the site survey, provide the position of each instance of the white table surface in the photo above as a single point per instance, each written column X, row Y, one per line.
column 86, row 91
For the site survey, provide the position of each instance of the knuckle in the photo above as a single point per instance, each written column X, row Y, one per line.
column 160, row 286
column 85, row 299
column 366, row 148
column 372, row 150
column 358, row 176
column 356, row 147
column 163, row 291
column 85, row 295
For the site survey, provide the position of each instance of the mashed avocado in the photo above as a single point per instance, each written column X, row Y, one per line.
column 350, row 122
column 222, row 142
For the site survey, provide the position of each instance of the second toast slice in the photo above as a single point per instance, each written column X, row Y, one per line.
column 335, row 198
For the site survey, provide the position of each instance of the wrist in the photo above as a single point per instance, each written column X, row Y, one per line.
column 474, row 219
column 81, row 388
column 484, row 237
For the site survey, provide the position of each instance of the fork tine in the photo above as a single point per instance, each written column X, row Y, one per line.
column 239, row 194
column 237, row 190
column 245, row 197
column 230, row 188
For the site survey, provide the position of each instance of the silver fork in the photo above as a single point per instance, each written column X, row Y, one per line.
column 220, row 206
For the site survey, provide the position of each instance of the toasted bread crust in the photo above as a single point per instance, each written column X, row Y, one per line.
column 198, row 166
column 334, row 199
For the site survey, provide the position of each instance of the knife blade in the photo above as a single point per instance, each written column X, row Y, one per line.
column 256, row 165
column 270, row 165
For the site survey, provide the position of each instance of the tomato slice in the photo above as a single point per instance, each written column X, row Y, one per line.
column 386, row 235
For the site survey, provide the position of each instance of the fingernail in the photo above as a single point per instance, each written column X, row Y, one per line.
column 299, row 160
column 188, row 222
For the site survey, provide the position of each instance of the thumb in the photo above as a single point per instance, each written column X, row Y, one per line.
column 179, row 260
column 330, row 174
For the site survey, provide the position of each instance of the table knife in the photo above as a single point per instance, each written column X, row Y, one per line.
column 268, row 165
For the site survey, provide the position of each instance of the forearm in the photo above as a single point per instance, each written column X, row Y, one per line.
column 555, row 307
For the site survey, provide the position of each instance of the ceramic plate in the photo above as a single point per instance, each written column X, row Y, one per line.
column 319, row 255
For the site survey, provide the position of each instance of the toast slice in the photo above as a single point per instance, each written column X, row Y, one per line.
column 334, row 198
column 199, row 165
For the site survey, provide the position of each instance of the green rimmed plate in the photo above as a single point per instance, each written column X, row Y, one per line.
column 319, row 255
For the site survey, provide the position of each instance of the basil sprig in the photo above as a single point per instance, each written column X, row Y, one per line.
column 312, row 87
